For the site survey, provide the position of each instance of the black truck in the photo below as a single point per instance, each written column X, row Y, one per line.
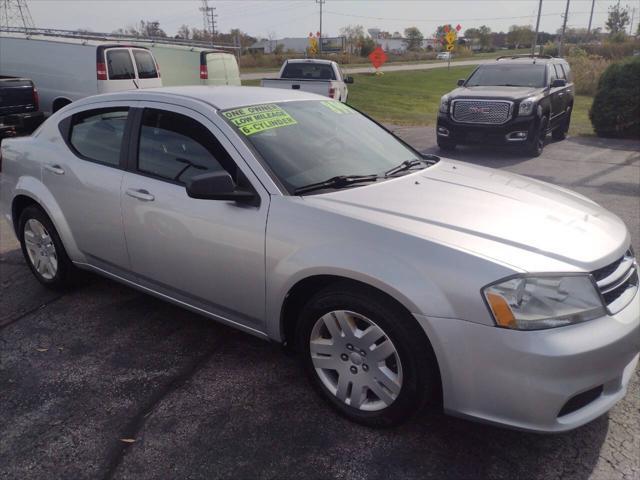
column 517, row 100
column 19, row 109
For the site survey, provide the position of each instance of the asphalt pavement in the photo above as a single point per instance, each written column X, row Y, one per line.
column 385, row 68
column 106, row 382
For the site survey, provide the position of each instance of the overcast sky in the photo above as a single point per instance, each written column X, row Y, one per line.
column 299, row 17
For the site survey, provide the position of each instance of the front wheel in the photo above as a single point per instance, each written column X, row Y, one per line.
column 535, row 146
column 370, row 360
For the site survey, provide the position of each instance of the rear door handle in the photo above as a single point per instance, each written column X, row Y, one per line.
column 57, row 169
column 140, row 195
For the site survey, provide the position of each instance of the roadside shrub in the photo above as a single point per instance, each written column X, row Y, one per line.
column 587, row 70
column 611, row 50
column 550, row 48
column 616, row 107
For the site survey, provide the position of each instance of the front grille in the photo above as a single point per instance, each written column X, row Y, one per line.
column 480, row 111
column 618, row 282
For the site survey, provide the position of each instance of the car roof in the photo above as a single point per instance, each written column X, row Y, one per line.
column 530, row 60
column 309, row 60
column 219, row 97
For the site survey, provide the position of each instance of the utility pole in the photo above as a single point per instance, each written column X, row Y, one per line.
column 321, row 2
column 593, row 4
column 209, row 18
column 535, row 38
column 633, row 17
column 564, row 27
column 15, row 13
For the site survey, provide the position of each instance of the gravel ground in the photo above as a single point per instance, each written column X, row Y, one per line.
column 82, row 371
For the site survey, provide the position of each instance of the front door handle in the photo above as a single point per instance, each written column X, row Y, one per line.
column 57, row 169
column 140, row 195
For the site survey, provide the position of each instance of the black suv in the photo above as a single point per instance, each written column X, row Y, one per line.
column 516, row 100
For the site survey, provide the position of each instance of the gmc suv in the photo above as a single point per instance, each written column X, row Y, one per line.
column 515, row 101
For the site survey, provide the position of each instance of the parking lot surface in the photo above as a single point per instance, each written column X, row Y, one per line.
column 106, row 382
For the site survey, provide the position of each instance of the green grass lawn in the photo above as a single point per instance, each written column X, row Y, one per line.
column 413, row 97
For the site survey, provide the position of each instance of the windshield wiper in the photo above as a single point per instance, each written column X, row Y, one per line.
column 406, row 165
column 340, row 181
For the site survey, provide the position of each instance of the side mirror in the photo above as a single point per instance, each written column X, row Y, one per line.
column 348, row 79
column 461, row 82
column 559, row 82
column 217, row 186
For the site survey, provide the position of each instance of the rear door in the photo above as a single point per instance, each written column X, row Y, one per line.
column 146, row 68
column 84, row 175
column 121, row 74
column 556, row 97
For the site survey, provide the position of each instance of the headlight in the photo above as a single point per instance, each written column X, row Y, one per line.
column 535, row 303
column 444, row 104
column 526, row 106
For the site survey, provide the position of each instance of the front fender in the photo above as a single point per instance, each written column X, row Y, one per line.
column 34, row 188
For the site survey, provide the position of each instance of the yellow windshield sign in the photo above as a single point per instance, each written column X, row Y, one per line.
column 337, row 107
column 259, row 118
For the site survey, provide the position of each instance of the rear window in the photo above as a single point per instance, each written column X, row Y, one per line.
column 310, row 71
column 119, row 64
column 145, row 64
column 97, row 134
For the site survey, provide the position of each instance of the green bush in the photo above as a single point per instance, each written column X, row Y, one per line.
column 616, row 107
column 587, row 70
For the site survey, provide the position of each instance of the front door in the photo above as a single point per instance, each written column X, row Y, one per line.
column 208, row 254
column 557, row 95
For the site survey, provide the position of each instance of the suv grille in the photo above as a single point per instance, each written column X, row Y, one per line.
column 481, row 111
column 618, row 282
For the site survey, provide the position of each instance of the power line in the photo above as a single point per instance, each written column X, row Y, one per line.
column 321, row 2
column 564, row 28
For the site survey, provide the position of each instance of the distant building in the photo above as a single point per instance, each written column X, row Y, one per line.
column 396, row 44
column 296, row 44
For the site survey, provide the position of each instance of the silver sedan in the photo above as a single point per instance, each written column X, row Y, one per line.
column 402, row 279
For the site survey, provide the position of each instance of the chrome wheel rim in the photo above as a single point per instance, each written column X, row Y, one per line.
column 356, row 360
column 40, row 249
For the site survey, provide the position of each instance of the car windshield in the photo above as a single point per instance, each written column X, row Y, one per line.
column 305, row 142
column 511, row 75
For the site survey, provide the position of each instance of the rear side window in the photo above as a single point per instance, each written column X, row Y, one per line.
column 97, row 134
column 567, row 71
column 559, row 71
column 175, row 147
column 119, row 64
column 310, row 71
column 552, row 73
column 145, row 64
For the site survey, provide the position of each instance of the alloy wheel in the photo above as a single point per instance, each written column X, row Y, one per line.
column 356, row 360
column 40, row 249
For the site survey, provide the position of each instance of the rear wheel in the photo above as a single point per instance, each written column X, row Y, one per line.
column 535, row 146
column 370, row 360
column 43, row 250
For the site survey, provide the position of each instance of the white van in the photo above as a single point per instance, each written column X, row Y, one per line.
column 67, row 69
column 189, row 65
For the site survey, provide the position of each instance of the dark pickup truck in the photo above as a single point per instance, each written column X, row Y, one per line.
column 19, row 109
column 514, row 101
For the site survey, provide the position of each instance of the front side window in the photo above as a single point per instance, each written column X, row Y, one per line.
column 309, row 71
column 508, row 75
column 175, row 147
column 119, row 64
column 97, row 134
column 145, row 64
column 305, row 142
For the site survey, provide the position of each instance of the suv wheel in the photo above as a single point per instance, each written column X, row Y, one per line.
column 446, row 144
column 535, row 146
column 368, row 358
column 43, row 250
column 560, row 133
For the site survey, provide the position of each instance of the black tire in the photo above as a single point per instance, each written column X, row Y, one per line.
column 65, row 272
column 420, row 374
column 535, row 146
column 446, row 145
column 560, row 133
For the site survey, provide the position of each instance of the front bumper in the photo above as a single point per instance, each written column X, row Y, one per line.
column 526, row 379
column 509, row 133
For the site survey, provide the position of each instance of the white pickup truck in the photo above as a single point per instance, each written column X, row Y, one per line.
column 323, row 77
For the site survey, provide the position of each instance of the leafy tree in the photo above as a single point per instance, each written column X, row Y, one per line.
column 618, row 18
column 184, row 32
column 413, row 38
column 367, row 46
column 472, row 33
column 484, row 37
column 441, row 30
column 354, row 36
column 520, row 35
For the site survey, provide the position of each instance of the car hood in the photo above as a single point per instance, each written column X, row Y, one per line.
column 510, row 93
column 513, row 219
